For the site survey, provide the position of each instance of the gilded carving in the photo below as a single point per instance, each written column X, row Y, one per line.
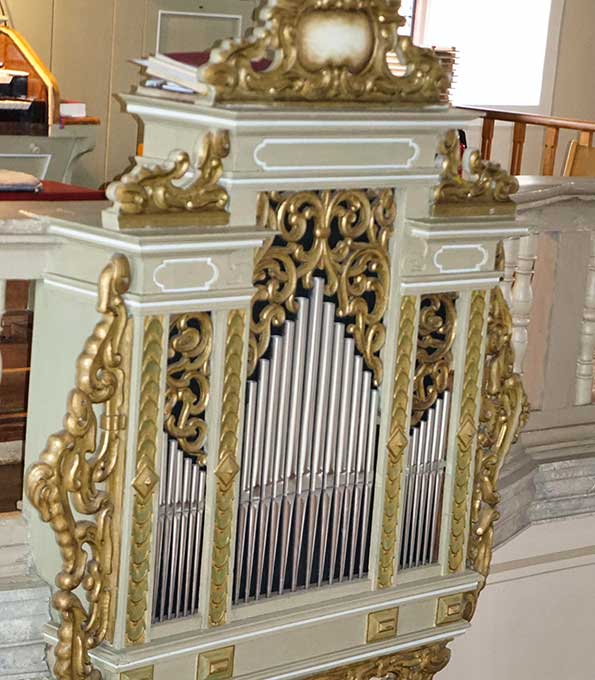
column 345, row 235
column 470, row 185
column 144, row 482
column 227, row 468
column 187, row 390
column 504, row 410
column 160, row 190
column 77, row 485
column 435, row 339
column 305, row 67
column 417, row 664
column 397, row 442
column 467, row 430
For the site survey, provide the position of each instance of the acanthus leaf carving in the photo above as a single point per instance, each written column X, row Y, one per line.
column 285, row 58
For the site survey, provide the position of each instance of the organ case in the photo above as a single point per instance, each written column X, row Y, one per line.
column 297, row 320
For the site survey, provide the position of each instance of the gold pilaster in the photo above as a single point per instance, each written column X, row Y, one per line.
column 397, row 441
column 144, row 482
column 467, row 430
column 228, row 467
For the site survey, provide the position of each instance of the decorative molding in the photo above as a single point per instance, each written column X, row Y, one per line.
column 504, row 410
column 351, row 233
column 227, row 468
column 185, row 268
column 144, row 482
column 450, row 609
column 303, row 142
column 73, row 476
column 307, row 66
column 434, row 360
column 397, row 442
column 417, row 664
column 467, row 430
column 216, row 664
column 482, row 188
column 187, row 384
column 464, row 249
column 155, row 195
column 145, row 673
column 382, row 625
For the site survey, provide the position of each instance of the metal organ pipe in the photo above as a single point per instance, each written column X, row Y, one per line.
column 424, row 485
column 309, row 457
column 182, row 490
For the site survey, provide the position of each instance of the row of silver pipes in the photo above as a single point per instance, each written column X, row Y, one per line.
column 180, row 523
column 308, row 461
column 424, row 486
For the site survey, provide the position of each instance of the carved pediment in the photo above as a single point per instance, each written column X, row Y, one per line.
column 324, row 51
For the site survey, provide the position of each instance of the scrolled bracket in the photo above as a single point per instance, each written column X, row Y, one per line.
column 160, row 194
column 470, row 186
column 77, row 477
column 504, row 411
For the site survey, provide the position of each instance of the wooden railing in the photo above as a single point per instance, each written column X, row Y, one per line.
column 552, row 127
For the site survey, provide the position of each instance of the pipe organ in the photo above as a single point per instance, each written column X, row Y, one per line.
column 295, row 391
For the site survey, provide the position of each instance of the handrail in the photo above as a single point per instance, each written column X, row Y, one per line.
column 552, row 125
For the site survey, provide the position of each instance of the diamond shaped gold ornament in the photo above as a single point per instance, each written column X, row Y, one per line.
column 227, row 470
column 145, row 481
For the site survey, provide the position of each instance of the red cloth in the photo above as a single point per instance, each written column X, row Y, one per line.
column 54, row 191
column 198, row 59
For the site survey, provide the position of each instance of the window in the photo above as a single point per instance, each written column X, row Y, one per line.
column 506, row 51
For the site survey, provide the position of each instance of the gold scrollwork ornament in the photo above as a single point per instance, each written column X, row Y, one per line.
column 469, row 185
column 304, row 68
column 416, row 664
column 75, row 477
column 343, row 234
column 436, row 336
column 504, row 411
column 158, row 194
column 188, row 387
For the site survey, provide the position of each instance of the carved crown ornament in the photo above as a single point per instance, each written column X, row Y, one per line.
column 470, row 186
column 324, row 51
column 163, row 190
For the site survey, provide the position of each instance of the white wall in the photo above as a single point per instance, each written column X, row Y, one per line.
column 535, row 619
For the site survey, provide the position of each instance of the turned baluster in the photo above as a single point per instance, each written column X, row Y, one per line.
column 518, row 144
column 585, row 138
column 511, row 256
column 521, row 302
column 550, row 147
column 487, row 137
column 584, row 366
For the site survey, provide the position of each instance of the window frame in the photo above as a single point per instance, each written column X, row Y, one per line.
column 550, row 66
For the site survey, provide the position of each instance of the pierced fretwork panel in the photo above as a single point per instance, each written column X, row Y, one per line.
column 182, row 489
column 424, row 477
column 310, row 447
